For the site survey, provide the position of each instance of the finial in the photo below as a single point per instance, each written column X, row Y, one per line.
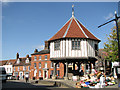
column 73, row 10
column 115, row 12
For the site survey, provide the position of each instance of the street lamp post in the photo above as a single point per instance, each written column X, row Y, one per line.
column 117, row 68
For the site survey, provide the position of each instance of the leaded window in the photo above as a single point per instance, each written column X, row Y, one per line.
column 75, row 45
column 57, row 45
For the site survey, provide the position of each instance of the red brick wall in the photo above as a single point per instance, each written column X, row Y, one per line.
column 43, row 61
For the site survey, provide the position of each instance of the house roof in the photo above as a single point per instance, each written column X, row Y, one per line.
column 3, row 62
column 22, row 62
column 11, row 62
column 73, row 29
column 42, row 52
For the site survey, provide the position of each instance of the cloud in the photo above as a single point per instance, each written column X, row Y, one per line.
column 40, row 47
column 110, row 16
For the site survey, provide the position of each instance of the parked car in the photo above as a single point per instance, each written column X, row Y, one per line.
column 3, row 75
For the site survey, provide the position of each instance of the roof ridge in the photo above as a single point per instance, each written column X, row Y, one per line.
column 80, row 27
column 61, row 27
column 89, row 31
column 68, row 28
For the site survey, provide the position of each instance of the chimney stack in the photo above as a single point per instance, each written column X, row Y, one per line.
column 17, row 55
column 35, row 51
column 46, row 45
column 27, row 56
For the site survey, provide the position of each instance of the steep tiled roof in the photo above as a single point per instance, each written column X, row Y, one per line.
column 22, row 62
column 3, row 62
column 73, row 29
column 11, row 62
column 42, row 52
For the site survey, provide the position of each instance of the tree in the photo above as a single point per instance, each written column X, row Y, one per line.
column 111, row 46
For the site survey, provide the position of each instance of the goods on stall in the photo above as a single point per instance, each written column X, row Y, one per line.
column 98, row 80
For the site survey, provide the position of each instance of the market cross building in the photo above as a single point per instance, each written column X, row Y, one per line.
column 73, row 45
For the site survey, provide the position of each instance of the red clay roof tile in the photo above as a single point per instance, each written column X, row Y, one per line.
column 73, row 29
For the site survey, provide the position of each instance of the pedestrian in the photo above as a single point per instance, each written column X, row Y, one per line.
column 27, row 77
column 23, row 76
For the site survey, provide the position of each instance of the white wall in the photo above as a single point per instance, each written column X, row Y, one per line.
column 86, row 49
column 8, row 68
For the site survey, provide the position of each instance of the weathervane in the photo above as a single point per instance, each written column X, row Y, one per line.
column 73, row 10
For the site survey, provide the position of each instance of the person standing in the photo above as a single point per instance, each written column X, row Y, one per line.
column 27, row 77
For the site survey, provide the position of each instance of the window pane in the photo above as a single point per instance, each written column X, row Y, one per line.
column 57, row 45
column 39, row 57
column 45, row 65
column 78, row 44
column 73, row 45
column 35, row 58
column 39, row 65
column 39, row 73
column 46, row 57
column 51, row 64
column 34, row 65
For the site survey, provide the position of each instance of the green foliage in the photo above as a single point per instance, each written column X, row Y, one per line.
column 111, row 46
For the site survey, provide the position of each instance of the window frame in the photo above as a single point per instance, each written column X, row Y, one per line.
column 46, row 56
column 28, row 68
column 40, row 64
column 52, row 64
column 45, row 65
column 40, row 57
column 57, row 45
column 18, row 68
column 34, row 65
column 35, row 58
column 76, row 45
column 40, row 73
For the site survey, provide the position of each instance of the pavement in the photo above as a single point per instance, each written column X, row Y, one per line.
column 32, row 84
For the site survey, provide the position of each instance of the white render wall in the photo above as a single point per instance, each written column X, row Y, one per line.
column 8, row 68
column 86, row 49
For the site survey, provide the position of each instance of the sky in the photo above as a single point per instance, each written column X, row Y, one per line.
column 26, row 25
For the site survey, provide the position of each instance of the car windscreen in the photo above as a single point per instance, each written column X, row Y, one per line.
column 2, row 70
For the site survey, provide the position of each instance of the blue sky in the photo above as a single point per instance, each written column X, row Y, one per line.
column 26, row 25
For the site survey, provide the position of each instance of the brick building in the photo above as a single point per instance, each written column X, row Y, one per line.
column 21, row 66
column 42, row 67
